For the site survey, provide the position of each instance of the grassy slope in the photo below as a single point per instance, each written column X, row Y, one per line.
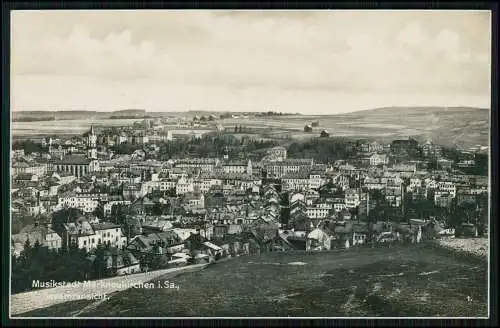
column 449, row 126
column 356, row 282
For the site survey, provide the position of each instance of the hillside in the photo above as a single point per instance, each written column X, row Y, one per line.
column 72, row 114
column 459, row 126
column 462, row 126
column 404, row 281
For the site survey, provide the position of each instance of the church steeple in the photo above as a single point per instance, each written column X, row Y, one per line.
column 91, row 138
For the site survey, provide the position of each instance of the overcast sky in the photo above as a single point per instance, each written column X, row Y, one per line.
column 317, row 62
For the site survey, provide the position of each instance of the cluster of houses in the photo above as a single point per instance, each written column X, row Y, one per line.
column 200, row 208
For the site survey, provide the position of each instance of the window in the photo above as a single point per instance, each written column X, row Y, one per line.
column 84, row 242
column 93, row 241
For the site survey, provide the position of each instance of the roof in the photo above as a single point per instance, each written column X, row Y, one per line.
column 73, row 160
column 181, row 255
column 316, row 234
column 105, row 226
column 212, row 246
column 84, row 228
column 25, row 176
column 145, row 242
column 236, row 163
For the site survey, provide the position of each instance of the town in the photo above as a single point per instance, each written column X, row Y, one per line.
column 123, row 200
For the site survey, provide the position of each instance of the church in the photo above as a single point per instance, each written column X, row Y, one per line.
column 80, row 165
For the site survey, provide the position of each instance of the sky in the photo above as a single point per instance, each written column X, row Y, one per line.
column 311, row 62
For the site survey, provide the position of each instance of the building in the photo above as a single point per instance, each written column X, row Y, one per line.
column 87, row 236
column 319, row 210
column 44, row 234
column 443, row 199
column 430, row 150
column 276, row 154
column 204, row 164
column 276, row 170
column 120, row 262
column 315, row 180
column 445, row 164
column 184, row 186
column 28, row 167
column 379, row 159
column 404, row 145
column 25, row 177
column 77, row 165
column 295, row 181
column 108, row 207
column 87, row 203
column 110, row 234
column 352, row 198
column 17, row 153
column 91, row 138
column 194, row 201
column 238, row 167
column 447, row 186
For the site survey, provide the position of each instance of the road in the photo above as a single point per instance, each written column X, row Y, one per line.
column 98, row 289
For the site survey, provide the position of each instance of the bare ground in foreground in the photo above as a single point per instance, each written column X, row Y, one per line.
column 414, row 281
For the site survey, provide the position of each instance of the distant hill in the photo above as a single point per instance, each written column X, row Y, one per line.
column 461, row 126
column 20, row 116
column 414, row 110
column 130, row 112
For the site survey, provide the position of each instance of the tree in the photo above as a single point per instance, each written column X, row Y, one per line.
column 464, row 213
column 99, row 265
column 25, row 256
column 63, row 216
column 99, row 211
column 157, row 209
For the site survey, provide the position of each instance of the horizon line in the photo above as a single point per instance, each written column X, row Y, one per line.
column 235, row 111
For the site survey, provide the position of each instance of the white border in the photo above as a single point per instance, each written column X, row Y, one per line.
column 250, row 318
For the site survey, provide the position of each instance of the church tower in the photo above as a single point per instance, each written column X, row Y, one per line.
column 92, row 144
column 91, row 138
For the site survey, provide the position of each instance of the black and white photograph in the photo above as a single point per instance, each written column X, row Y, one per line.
column 250, row 164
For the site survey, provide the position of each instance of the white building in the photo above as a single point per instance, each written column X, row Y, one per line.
column 238, row 167
column 448, row 187
column 184, row 186
column 315, row 181
column 319, row 210
column 110, row 234
column 379, row 159
column 351, row 198
column 87, row 203
column 107, row 208
column 204, row 164
column 295, row 182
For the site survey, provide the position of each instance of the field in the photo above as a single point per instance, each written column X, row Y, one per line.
column 459, row 126
column 415, row 281
column 64, row 127
column 449, row 126
column 23, row 130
